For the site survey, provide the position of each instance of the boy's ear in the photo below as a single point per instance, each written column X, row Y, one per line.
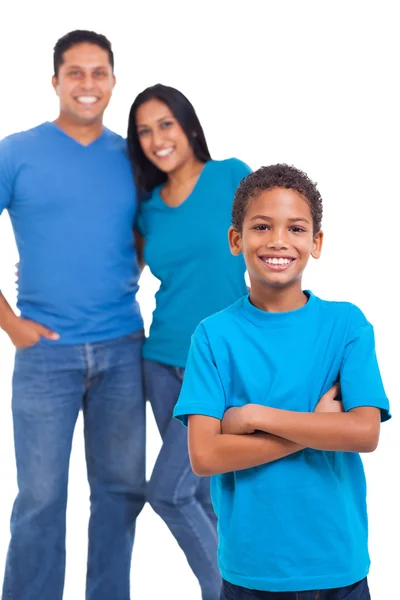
column 317, row 245
column 235, row 240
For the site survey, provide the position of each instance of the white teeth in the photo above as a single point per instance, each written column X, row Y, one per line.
column 87, row 99
column 164, row 152
column 278, row 261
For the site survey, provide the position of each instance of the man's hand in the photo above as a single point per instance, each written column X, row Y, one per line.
column 24, row 333
column 237, row 420
column 328, row 404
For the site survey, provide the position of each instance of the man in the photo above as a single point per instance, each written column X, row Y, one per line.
column 69, row 191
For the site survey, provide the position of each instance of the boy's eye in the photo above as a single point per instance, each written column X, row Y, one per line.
column 297, row 229
column 262, row 227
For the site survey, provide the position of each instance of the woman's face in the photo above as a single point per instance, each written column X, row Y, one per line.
column 161, row 137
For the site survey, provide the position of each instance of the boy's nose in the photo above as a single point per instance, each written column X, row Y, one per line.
column 278, row 242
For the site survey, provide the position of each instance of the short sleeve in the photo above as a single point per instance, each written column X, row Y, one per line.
column 202, row 392
column 240, row 171
column 360, row 378
column 6, row 175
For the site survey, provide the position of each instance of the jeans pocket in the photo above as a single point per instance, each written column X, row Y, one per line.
column 30, row 347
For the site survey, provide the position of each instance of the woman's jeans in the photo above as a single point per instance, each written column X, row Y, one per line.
column 178, row 496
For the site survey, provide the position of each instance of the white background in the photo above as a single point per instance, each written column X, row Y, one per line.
column 308, row 83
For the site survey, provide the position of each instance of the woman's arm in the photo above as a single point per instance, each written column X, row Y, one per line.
column 139, row 245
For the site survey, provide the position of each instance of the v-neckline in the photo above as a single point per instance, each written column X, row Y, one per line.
column 194, row 189
column 73, row 140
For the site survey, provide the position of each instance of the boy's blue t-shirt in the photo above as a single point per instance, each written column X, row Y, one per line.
column 72, row 208
column 299, row 523
column 187, row 249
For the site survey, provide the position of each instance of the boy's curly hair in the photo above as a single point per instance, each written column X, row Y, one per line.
column 276, row 176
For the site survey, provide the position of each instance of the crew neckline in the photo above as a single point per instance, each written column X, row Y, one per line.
column 263, row 318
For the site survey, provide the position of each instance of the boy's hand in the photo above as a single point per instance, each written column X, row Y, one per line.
column 328, row 403
column 237, row 420
column 242, row 420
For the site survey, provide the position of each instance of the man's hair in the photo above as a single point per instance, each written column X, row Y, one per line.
column 276, row 176
column 80, row 36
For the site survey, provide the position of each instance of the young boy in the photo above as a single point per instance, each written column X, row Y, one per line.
column 289, row 486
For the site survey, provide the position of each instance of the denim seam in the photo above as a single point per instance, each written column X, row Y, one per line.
column 184, row 474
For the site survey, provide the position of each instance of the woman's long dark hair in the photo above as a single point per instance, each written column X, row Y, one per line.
column 147, row 176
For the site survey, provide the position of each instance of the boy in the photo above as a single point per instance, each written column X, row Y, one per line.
column 290, row 488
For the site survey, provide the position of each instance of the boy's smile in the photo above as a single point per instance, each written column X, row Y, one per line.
column 276, row 262
column 277, row 239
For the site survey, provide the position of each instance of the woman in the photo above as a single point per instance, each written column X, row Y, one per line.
column 185, row 210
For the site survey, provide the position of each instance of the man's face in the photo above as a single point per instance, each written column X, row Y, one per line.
column 84, row 83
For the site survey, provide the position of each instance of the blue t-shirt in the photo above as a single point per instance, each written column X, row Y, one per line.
column 72, row 208
column 299, row 523
column 187, row 250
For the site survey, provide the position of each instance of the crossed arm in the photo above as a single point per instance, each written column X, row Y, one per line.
column 254, row 435
column 354, row 431
column 212, row 452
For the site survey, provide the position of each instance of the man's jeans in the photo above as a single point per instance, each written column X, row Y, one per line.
column 176, row 494
column 51, row 384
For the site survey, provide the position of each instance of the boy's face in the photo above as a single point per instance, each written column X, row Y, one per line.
column 84, row 83
column 276, row 239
